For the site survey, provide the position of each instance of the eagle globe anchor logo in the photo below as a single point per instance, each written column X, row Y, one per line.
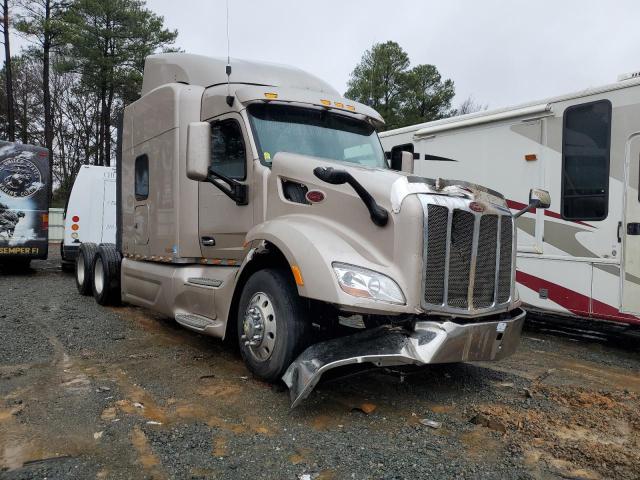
column 19, row 177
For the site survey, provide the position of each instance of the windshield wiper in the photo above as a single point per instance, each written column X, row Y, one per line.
column 379, row 215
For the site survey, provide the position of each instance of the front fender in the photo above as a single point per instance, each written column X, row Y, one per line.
column 313, row 245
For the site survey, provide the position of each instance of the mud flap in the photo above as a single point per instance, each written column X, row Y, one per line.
column 429, row 342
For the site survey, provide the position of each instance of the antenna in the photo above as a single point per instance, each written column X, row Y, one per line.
column 371, row 101
column 228, row 67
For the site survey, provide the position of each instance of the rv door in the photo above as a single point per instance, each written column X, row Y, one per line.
column 630, row 229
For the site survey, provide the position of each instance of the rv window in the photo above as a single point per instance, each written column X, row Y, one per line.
column 396, row 155
column 142, row 177
column 585, row 161
column 228, row 155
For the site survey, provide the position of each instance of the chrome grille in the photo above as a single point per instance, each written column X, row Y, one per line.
column 460, row 247
column 485, row 279
column 467, row 257
column 437, row 220
column 506, row 246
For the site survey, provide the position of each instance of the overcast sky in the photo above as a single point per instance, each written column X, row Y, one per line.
column 501, row 52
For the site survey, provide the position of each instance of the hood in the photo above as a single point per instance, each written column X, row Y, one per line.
column 388, row 187
column 409, row 185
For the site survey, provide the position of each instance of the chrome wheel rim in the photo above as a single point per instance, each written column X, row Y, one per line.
column 80, row 269
column 98, row 277
column 259, row 327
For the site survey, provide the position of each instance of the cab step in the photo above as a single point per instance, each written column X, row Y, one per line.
column 195, row 322
column 204, row 282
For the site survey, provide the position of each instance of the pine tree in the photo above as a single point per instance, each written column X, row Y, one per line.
column 108, row 42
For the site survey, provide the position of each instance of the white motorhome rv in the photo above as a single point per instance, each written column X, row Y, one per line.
column 90, row 213
column 254, row 202
column 581, row 257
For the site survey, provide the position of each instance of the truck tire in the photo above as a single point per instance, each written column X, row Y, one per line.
column 84, row 267
column 273, row 323
column 106, row 275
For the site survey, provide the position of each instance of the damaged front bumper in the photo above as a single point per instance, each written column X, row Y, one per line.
column 429, row 342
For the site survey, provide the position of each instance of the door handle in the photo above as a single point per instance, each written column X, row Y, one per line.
column 619, row 227
column 633, row 228
column 208, row 241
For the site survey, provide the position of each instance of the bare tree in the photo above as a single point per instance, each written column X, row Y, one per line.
column 11, row 121
column 40, row 22
column 27, row 88
column 470, row 106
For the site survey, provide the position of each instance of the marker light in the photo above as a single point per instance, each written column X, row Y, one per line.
column 326, row 102
column 339, row 105
column 271, row 95
column 75, row 227
column 365, row 283
column 297, row 275
column 351, row 107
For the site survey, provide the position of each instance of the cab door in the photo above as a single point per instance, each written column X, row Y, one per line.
column 223, row 224
column 630, row 229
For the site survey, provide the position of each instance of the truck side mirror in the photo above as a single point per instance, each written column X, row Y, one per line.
column 538, row 198
column 407, row 162
column 198, row 150
column 400, row 160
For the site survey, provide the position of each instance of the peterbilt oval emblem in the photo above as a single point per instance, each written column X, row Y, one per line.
column 314, row 196
column 476, row 207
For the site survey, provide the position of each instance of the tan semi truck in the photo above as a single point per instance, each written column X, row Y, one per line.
column 256, row 203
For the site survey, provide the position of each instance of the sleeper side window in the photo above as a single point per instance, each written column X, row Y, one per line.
column 142, row 177
column 586, row 140
column 228, row 154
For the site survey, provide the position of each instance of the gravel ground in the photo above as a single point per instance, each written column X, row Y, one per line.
column 93, row 392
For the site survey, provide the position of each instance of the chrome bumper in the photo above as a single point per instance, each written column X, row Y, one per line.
column 429, row 342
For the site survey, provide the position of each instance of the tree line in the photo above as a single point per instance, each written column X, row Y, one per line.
column 83, row 64
column 403, row 95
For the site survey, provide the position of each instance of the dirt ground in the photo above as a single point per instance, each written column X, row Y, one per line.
column 91, row 392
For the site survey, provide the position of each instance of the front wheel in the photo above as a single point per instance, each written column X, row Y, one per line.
column 273, row 323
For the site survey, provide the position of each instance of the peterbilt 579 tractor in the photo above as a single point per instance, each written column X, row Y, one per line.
column 255, row 203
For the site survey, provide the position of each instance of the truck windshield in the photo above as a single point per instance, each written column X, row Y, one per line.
column 314, row 132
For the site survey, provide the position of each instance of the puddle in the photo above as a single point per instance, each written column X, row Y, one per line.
column 146, row 457
column 219, row 447
column 478, row 444
column 442, row 408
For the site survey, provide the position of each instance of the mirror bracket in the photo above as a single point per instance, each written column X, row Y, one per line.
column 235, row 190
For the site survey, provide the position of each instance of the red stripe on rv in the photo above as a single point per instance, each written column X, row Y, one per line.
column 575, row 302
column 519, row 206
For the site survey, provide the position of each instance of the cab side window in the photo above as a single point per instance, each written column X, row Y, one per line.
column 228, row 154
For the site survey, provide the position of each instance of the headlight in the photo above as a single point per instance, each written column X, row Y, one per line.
column 364, row 283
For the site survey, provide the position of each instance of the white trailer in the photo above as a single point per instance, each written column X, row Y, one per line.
column 581, row 257
column 90, row 213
